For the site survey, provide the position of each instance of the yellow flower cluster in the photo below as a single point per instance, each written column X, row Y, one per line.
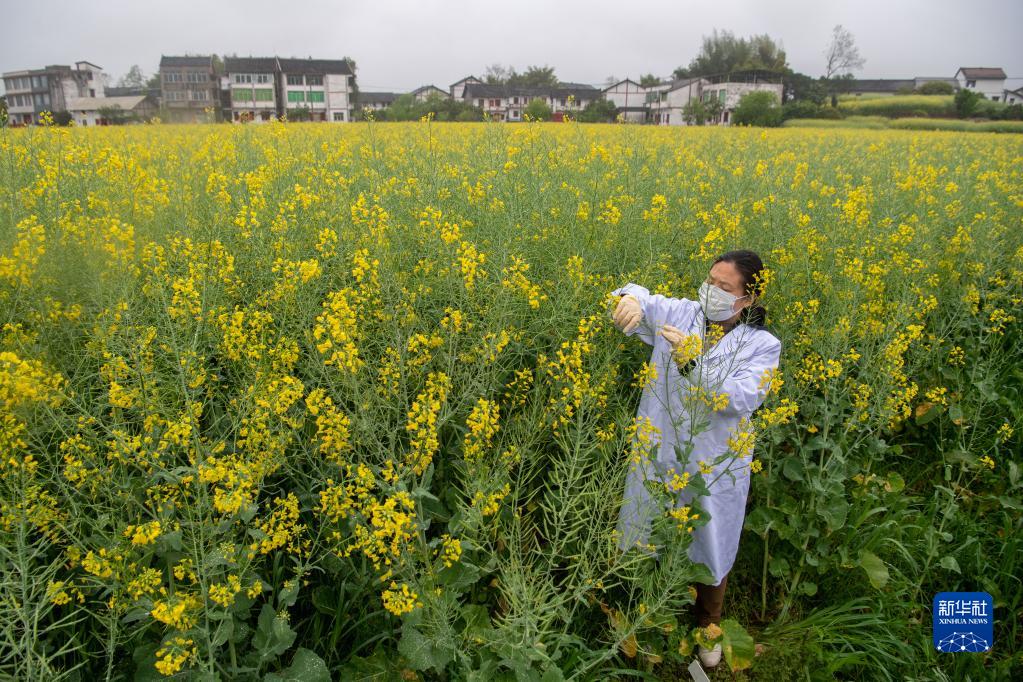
column 333, row 427
column 422, row 422
column 516, row 280
column 173, row 654
column 336, row 333
column 400, row 600
column 483, row 425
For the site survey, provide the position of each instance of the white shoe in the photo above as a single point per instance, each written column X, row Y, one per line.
column 709, row 657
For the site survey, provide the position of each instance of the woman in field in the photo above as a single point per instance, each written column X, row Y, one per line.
column 704, row 350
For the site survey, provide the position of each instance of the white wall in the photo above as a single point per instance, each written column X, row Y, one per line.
column 989, row 88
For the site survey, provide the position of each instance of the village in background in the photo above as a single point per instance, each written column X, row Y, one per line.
column 726, row 72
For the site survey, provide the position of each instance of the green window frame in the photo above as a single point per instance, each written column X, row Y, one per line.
column 296, row 96
column 264, row 95
column 241, row 95
column 721, row 96
column 316, row 95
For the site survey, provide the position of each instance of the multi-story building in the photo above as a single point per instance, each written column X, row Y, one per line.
column 728, row 93
column 508, row 103
column 251, row 82
column 31, row 92
column 260, row 88
column 987, row 81
column 667, row 101
column 457, row 89
column 188, row 87
column 629, row 97
column 322, row 86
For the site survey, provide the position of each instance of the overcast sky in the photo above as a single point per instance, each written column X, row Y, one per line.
column 399, row 45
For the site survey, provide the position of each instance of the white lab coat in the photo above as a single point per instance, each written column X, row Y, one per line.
column 734, row 365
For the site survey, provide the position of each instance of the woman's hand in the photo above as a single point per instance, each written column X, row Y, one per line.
column 628, row 313
column 685, row 348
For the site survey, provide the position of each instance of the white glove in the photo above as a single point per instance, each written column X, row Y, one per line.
column 628, row 313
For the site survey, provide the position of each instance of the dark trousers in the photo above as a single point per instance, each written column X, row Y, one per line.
column 709, row 600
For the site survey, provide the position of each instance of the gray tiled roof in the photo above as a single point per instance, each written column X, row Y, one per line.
column 250, row 64
column 483, row 90
column 166, row 60
column 983, row 73
column 316, row 66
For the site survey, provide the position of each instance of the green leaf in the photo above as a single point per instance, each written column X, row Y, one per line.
column 808, row 588
column 793, row 469
column 736, row 645
column 876, row 569
column 835, row 513
column 415, row 647
column 895, row 483
column 305, row 667
column 273, row 636
column 950, row 563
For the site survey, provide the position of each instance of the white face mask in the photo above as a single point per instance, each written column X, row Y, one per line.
column 716, row 302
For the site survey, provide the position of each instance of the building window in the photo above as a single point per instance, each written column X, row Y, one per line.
column 242, row 78
column 314, row 80
column 339, row 115
column 262, row 78
column 721, row 96
column 971, row 84
column 198, row 95
column 296, row 96
column 316, row 96
column 479, row 103
column 294, row 79
column 241, row 95
column 264, row 95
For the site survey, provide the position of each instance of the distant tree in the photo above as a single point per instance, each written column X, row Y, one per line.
column 838, row 85
column 722, row 52
column 302, row 113
column 694, row 113
column 3, row 111
column 649, row 80
column 154, row 81
column 966, row 102
column 936, row 88
column 598, row 111
column 842, row 55
column 538, row 110
column 611, row 80
column 133, row 79
column 534, row 77
column 498, row 74
column 799, row 86
column 115, row 115
column 758, row 108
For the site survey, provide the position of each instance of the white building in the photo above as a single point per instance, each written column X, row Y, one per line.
column 95, row 111
column 31, row 92
column 250, row 84
column 457, row 89
column 421, row 94
column 667, row 100
column 729, row 93
column 508, row 103
column 986, row 81
column 630, row 99
column 323, row 86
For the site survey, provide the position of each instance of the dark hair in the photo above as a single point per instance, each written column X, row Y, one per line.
column 749, row 265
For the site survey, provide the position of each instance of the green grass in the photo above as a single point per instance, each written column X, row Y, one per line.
column 881, row 123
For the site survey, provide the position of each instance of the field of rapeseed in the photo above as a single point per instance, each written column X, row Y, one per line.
column 343, row 402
